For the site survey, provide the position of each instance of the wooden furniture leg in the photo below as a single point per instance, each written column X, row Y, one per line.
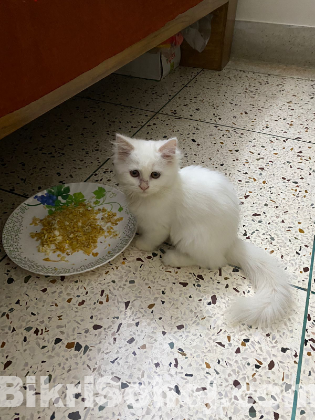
column 216, row 55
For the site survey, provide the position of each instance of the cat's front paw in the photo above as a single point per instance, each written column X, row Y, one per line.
column 170, row 259
column 143, row 245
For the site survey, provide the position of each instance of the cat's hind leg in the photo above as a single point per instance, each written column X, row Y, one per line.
column 202, row 251
column 207, row 257
column 175, row 258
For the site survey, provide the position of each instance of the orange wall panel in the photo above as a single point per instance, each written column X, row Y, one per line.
column 46, row 43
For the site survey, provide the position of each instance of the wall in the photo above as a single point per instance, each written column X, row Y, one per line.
column 289, row 12
column 275, row 31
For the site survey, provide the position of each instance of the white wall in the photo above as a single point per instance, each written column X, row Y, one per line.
column 290, row 12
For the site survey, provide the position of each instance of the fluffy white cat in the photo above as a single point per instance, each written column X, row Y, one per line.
column 198, row 211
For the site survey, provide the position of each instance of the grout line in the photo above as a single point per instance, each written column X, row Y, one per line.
column 96, row 170
column 154, row 115
column 298, row 374
column 157, row 112
column 5, row 255
column 234, row 127
column 273, row 74
column 180, row 90
column 301, row 288
column 142, row 109
column 192, row 119
column 15, row 193
column 113, row 103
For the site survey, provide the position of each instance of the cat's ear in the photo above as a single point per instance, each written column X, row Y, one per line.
column 169, row 148
column 123, row 147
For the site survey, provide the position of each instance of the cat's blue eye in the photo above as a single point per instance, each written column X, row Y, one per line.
column 134, row 173
column 155, row 175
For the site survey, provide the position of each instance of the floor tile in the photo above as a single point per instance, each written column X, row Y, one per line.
column 273, row 178
column 8, row 203
column 157, row 335
column 106, row 175
column 270, row 104
column 272, row 68
column 306, row 403
column 140, row 93
column 45, row 413
column 17, row 413
column 57, row 413
column 65, row 145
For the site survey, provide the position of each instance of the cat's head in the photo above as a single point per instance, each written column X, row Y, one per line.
column 145, row 167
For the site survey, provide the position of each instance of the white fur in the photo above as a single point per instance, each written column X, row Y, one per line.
column 197, row 209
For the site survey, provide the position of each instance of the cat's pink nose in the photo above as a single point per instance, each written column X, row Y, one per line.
column 144, row 186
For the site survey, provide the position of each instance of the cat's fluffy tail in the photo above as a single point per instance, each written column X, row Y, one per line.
column 272, row 298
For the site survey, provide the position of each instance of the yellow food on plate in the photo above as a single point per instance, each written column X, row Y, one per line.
column 74, row 228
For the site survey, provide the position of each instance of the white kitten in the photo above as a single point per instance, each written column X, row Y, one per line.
column 198, row 210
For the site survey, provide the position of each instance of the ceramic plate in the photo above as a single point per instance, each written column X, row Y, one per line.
column 23, row 250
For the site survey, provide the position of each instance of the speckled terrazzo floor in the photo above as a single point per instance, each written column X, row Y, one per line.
column 158, row 336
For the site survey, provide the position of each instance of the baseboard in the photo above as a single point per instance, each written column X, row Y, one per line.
column 274, row 43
